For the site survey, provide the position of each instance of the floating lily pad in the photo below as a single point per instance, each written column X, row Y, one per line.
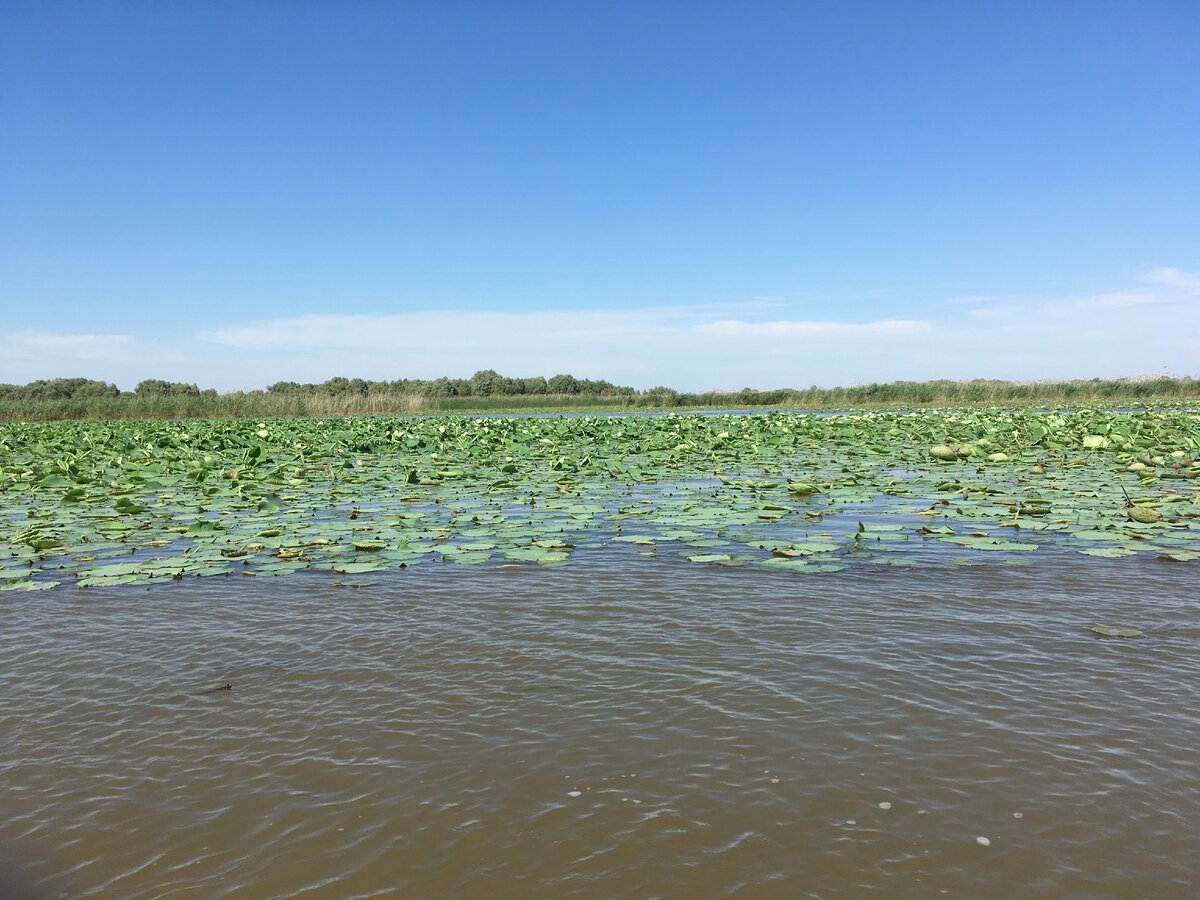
column 709, row 557
column 28, row 585
column 1115, row 631
column 1145, row 514
column 357, row 568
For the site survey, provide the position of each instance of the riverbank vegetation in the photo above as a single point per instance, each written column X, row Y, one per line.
column 490, row 392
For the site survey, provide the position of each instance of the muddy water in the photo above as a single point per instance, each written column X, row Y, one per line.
column 673, row 731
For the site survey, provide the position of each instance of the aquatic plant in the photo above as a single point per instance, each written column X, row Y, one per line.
column 488, row 391
column 108, row 503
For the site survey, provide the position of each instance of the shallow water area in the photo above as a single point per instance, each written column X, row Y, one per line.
column 662, row 729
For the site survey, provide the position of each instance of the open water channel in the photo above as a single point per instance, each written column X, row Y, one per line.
column 599, row 730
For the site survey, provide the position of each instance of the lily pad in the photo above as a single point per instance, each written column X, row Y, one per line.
column 1145, row 515
column 1115, row 631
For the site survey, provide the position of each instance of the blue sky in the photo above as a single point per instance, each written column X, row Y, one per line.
column 701, row 195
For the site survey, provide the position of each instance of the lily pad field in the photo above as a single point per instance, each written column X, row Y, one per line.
column 91, row 504
column 629, row 655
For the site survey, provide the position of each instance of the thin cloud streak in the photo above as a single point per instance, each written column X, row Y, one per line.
column 1119, row 300
column 1175, row 278
column 1149, row 328
column 443, row 329
column 29, row 355
column 805, row 329
column 450, row 329
column 36, row 345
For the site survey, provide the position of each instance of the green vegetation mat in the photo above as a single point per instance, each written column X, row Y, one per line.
column 95, row 504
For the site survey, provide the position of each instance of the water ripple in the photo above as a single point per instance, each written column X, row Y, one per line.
column 594, row 732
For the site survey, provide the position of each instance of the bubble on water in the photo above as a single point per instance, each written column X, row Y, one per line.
column 983, row 842
column 574, row 793
column 1018, row 815
column 774, row 781
column 885, row 805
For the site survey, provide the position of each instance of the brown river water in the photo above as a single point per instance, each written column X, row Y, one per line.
column 654, row 729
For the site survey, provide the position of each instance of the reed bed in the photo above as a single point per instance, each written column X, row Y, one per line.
column 897, row 394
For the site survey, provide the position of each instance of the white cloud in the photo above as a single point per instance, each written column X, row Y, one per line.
column 1119, row 300
column 1189, row 282
column 990, row 313
column 1143, row 330
column 812, row 329
column 456, row 329
column 36, row 345
column 687, row 346
column 982, row 299
column 1150, row 326
column 452, row 330
column 29, row 355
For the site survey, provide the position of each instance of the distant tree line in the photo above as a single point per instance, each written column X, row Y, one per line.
column 59, row 389
column 485, row 383
column 487, row 388
column 89, row 389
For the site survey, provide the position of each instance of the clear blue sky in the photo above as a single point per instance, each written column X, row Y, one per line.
column 703, row 195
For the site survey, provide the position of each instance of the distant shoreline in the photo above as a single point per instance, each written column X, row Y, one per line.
column 342, row 397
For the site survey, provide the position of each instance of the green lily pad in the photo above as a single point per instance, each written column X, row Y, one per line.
column 1114, row 631
column 28, row 585
column 1108, row 552
column 357, row 568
